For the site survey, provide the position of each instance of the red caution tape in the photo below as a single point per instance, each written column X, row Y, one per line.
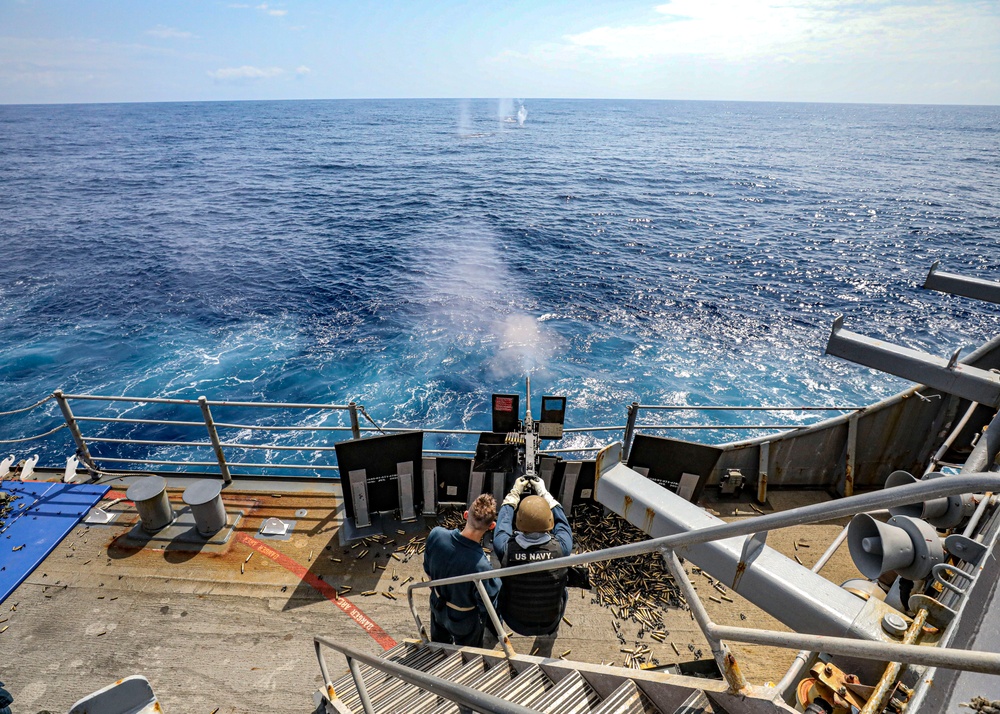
column 305, row 575
column 325, row 589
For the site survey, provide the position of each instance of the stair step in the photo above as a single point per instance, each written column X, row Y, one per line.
column 401, row 698
column 527, row 687
column 430, row 701
column 627, row 699
column 347, row 681
column 572, row 695
column 421, row 657
column 697, row 703
column 491, row 682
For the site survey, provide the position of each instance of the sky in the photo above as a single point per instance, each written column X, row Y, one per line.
column 897, row 51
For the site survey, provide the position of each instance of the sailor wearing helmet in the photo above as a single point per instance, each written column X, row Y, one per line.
column 533, row 604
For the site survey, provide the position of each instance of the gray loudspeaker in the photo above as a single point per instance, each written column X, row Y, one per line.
column 906, row 545
column 944, row 512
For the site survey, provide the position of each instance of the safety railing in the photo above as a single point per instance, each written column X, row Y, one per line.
column 977, row 661
column 632, row 425
column 206, row 419
column 466, row 697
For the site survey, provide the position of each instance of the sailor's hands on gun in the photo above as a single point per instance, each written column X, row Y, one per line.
column 520, row 488
column 538, row 486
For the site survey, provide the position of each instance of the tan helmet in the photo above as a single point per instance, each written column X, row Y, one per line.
column 534, row 515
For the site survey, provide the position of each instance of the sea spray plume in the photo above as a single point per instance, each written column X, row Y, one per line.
column 522, row 114
column 524, row 346
column 473, row 324
column 505, row 110
column 464, row 118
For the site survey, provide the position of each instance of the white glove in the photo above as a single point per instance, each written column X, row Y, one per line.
column 514, row 497
column 539, row 487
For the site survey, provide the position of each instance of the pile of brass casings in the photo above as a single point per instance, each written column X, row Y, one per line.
column 634, row 588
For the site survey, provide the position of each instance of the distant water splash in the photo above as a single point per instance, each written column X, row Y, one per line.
column 505, row 110
column 464, row 119
column 522, row 115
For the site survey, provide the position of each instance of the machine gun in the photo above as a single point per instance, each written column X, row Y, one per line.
column 513, row 444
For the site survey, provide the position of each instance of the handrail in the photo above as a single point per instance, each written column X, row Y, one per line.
column 73, row 422
column 211, row 402
column 813, row 513
column 458, row 693
column 688, row 407
column 986, row 662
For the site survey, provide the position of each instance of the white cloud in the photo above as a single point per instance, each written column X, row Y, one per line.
column 263, row 7
column 246, row 72
column 169, row 33
column 302, row 70
column 734, row 30
column 272, row 11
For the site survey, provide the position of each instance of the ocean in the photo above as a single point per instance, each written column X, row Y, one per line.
column 417, row 256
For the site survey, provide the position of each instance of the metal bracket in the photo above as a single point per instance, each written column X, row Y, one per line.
column 404, row 480
column 359, row 497
column 571, row 475
column 938, row 615
column 100, row 517
column 274, row 527
column 938, row 574
column 429, row 483
column 498, row 482
column 475, row 486
column 752, row 547
column 965, row 548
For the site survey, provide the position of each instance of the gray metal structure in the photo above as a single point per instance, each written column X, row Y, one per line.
column 956, row 284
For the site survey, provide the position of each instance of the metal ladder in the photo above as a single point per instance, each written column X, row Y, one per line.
column 528, row 684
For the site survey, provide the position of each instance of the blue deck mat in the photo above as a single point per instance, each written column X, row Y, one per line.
column 50, row 512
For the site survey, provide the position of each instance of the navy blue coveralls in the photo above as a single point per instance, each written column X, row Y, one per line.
column 457, row 615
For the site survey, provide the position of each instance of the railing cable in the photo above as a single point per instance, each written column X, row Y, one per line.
column 372, row 421
column 32, row 438
column 27, row 409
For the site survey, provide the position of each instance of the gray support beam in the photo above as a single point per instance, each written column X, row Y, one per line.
column 633, row 414
column 974, row 288
column 851, row 458
column 213, row 436
column 985, row 455
column 74, row 429
column 947, row 375
column 570, row 477
column 498, row 480
column 763, row 468
column 793, row 594
column 352, row 409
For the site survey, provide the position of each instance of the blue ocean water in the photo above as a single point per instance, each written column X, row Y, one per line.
column 415, row 256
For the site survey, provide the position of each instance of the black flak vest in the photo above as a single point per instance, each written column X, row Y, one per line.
column 533, row 600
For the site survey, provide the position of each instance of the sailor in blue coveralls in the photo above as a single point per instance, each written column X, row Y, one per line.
column 457, row 615
column 533, row 604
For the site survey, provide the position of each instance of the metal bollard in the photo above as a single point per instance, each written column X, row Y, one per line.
column 150, row 497
column 205, row 499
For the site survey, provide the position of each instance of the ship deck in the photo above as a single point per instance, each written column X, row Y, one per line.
column 228, row 628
